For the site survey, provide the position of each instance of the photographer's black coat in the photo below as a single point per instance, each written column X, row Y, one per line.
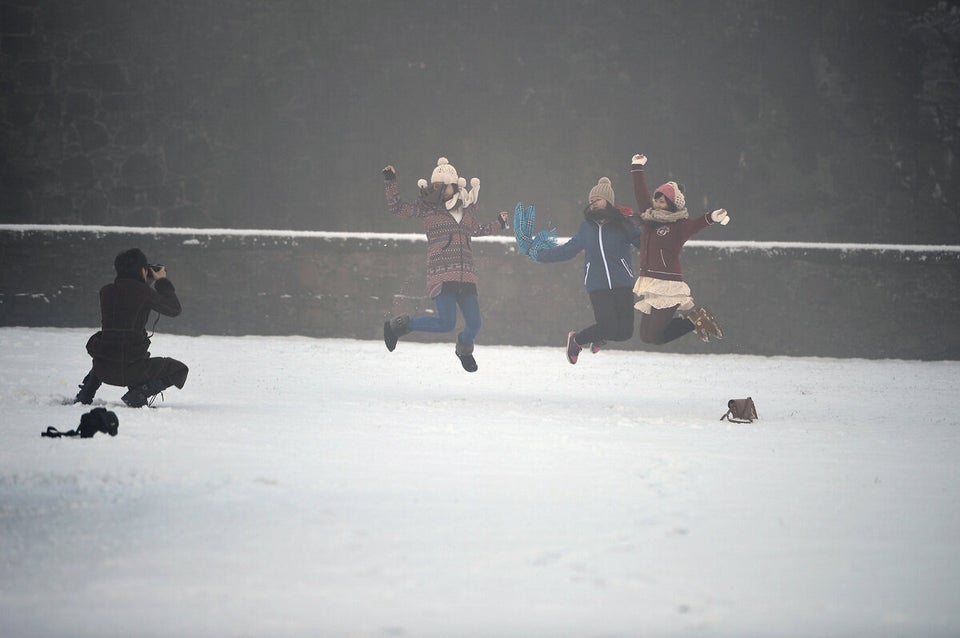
column 120, row 350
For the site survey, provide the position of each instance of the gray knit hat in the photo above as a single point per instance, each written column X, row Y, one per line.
column 603, row 189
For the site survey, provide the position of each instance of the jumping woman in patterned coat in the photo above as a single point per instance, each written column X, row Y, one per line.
column 448, row 211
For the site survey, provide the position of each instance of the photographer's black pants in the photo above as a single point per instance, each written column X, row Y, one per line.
column 134, row 375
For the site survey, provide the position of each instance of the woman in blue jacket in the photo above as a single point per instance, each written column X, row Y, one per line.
column 605, row 236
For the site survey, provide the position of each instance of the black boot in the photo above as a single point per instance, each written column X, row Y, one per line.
column 394, row 329
column 141, row 395
column 88, row 389
column 465, row 352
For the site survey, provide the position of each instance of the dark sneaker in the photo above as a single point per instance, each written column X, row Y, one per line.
column 145, row 394
column 596, row 345
column 135, row 398
column 573, row 348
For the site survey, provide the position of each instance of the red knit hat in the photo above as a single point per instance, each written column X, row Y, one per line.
column 671, row 190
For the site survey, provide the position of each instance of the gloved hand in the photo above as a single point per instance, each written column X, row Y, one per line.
column 531, row 244
column 543, row 239
column 637, row 162
column 389, row 172
column 720, row 216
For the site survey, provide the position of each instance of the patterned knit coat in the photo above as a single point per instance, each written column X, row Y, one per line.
column 449, row 253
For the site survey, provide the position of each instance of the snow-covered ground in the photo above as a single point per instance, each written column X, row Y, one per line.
column 304, row 487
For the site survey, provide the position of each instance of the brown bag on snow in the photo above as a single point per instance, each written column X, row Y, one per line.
column 740, row 411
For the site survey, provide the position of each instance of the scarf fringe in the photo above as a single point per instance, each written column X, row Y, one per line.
column 659, row 216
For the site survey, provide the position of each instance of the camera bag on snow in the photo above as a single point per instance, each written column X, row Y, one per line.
column 740, row 411
column 96, row 420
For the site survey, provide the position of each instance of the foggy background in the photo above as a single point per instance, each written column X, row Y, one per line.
column 819, row 121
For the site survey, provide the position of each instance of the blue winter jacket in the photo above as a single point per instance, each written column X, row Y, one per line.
column 608, row 262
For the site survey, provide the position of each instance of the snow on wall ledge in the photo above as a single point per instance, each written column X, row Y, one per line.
column 772, row 298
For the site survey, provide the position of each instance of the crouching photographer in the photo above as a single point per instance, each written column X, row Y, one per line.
column 120, row 350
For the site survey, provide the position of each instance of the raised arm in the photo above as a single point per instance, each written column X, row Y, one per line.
column 395, row 205
column 640, row 190
column 163, row 298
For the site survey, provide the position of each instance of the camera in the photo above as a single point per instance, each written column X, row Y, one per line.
column 152, row 268
column 98, row 420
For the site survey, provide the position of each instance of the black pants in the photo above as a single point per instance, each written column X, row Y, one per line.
column 135, row 374
column 661, row 326
column 613, row 311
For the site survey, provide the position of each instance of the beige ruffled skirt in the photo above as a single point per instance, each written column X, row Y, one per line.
column 661, row 293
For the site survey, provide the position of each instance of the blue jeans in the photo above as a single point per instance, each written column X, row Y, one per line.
column 446, row 319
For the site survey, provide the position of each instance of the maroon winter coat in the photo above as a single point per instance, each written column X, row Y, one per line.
column 660, row 244
column 125, row 306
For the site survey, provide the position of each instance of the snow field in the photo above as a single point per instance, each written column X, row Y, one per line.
column 305, row 487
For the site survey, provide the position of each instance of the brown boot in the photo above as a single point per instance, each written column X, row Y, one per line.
column 705, row 325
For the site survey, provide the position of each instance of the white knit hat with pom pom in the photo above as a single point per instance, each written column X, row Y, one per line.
column 444, row 173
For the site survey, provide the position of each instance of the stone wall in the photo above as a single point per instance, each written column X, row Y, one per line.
column 771, row 299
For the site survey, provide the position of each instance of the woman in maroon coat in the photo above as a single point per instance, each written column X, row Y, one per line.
column 665, row 299
column 120, row 350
